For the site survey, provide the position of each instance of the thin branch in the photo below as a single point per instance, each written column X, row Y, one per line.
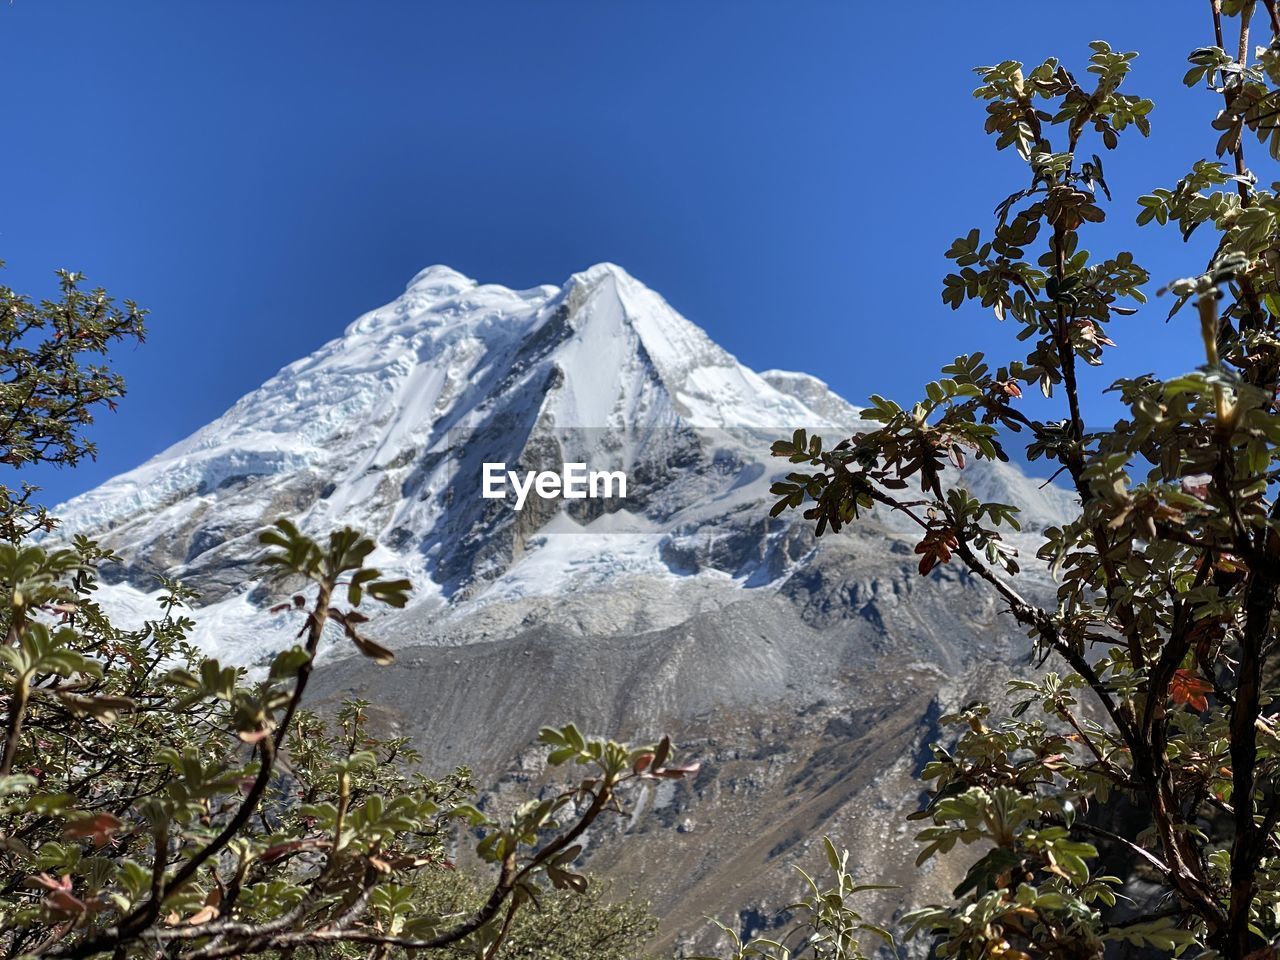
column 13, row 732
column 1145, row 854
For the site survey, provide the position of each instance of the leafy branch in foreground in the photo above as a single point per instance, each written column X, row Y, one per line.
column 1163, row 702
column 48, row 392
column 152, row 799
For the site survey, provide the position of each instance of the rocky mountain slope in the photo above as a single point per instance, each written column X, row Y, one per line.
column 806, row 675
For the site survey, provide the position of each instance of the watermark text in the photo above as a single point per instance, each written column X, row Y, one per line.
column 573, row 482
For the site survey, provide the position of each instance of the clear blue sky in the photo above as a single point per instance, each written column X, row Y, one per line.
column 786, row 174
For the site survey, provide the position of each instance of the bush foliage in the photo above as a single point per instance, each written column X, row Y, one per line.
column 1160, row 703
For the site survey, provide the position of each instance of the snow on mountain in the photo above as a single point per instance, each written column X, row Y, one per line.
column 387, row 427
column 813, row 393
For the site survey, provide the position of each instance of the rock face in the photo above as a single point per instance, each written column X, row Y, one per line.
column 806, row 675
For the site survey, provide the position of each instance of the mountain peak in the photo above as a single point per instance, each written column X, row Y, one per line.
column 439, row 279
column 616, row 320
column 599, row 270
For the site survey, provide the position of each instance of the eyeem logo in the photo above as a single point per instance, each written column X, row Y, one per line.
column 573, row 482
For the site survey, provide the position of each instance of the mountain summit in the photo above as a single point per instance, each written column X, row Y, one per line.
column 388, row 427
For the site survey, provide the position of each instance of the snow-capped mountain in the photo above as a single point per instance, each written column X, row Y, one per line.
column 387, row 428
column 681, row 608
